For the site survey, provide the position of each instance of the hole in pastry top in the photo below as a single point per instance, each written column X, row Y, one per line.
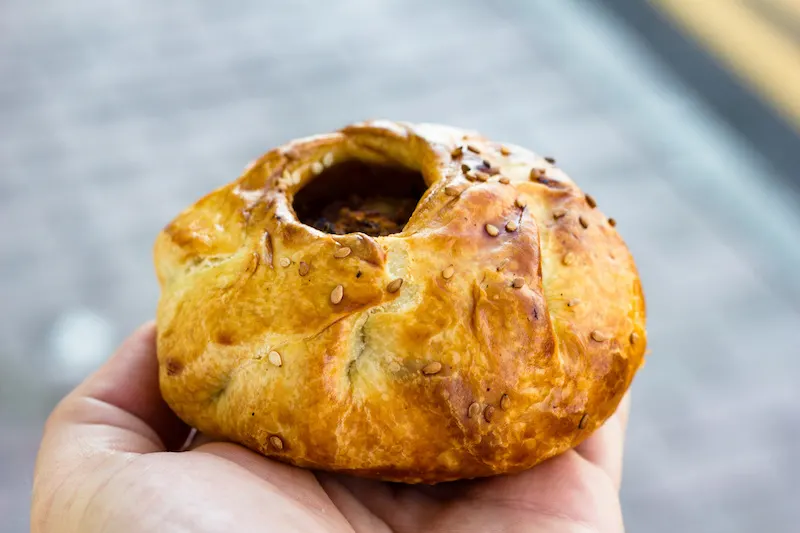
column 355, row 196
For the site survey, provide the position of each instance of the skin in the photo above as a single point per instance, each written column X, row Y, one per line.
column 108, row 463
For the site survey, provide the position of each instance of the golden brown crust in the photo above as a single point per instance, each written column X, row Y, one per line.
column 519, row 324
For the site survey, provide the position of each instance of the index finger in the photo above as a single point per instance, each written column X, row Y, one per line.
column 605, row 447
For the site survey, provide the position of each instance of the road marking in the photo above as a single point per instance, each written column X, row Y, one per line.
column 760, row 53
column 789, row 7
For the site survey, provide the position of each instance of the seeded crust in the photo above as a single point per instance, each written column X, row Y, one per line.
column 515, row 331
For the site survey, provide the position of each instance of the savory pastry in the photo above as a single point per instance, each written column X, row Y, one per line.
column 408, row 302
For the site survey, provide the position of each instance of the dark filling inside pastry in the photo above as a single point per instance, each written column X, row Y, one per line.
column 360, row 197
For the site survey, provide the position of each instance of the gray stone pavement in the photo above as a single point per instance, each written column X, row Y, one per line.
column 115, row 115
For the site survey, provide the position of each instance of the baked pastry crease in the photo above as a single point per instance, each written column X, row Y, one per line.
column 497, row 327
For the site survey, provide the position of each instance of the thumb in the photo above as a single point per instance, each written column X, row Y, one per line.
column 112, row 417
column 119, row 407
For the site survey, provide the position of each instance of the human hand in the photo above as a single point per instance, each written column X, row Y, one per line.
column 108, row 463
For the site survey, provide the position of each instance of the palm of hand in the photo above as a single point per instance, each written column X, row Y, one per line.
column 103, row 466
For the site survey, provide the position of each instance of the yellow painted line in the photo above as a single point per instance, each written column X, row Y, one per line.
column 789, row 7
column 757, row 52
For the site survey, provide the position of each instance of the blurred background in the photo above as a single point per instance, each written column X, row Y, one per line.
column 680, row 116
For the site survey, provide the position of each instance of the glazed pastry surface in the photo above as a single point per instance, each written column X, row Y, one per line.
column 492, row 321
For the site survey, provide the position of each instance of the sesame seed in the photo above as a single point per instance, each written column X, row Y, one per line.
column 504, row 180
column 432, row 368
column 482, row 176
column 503, row 264
column 394, row 366
column 276, row 442
column 492, row 230
column 584, row 421
column 275, row 358
column 285, row 262
column 252, row 264
column 394, row 285
column 634, row 338
column 505, row 402
column 258, row 356
column 505, row 151
column 342, row 252
column 518, row 283
column 521, row 202
column 458, row 151
column 303, row 268
column 471, row 175
column 583, row 221
column 473, row 410
column 448, row 272
column 465, row 168
column 472, row 148
column 488, row 413
column 599, row 336
column 568, row 258
column 317, row 167
column 612, row 222
column 337, row 294
column 511, row 225
column 454, row 190
column 559, row 212
column 535, row 174
column 591, row 201
column 550, row 160
column 327, row 160
column 573, row 302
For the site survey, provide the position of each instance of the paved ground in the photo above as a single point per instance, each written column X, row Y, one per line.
column 117, row 114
